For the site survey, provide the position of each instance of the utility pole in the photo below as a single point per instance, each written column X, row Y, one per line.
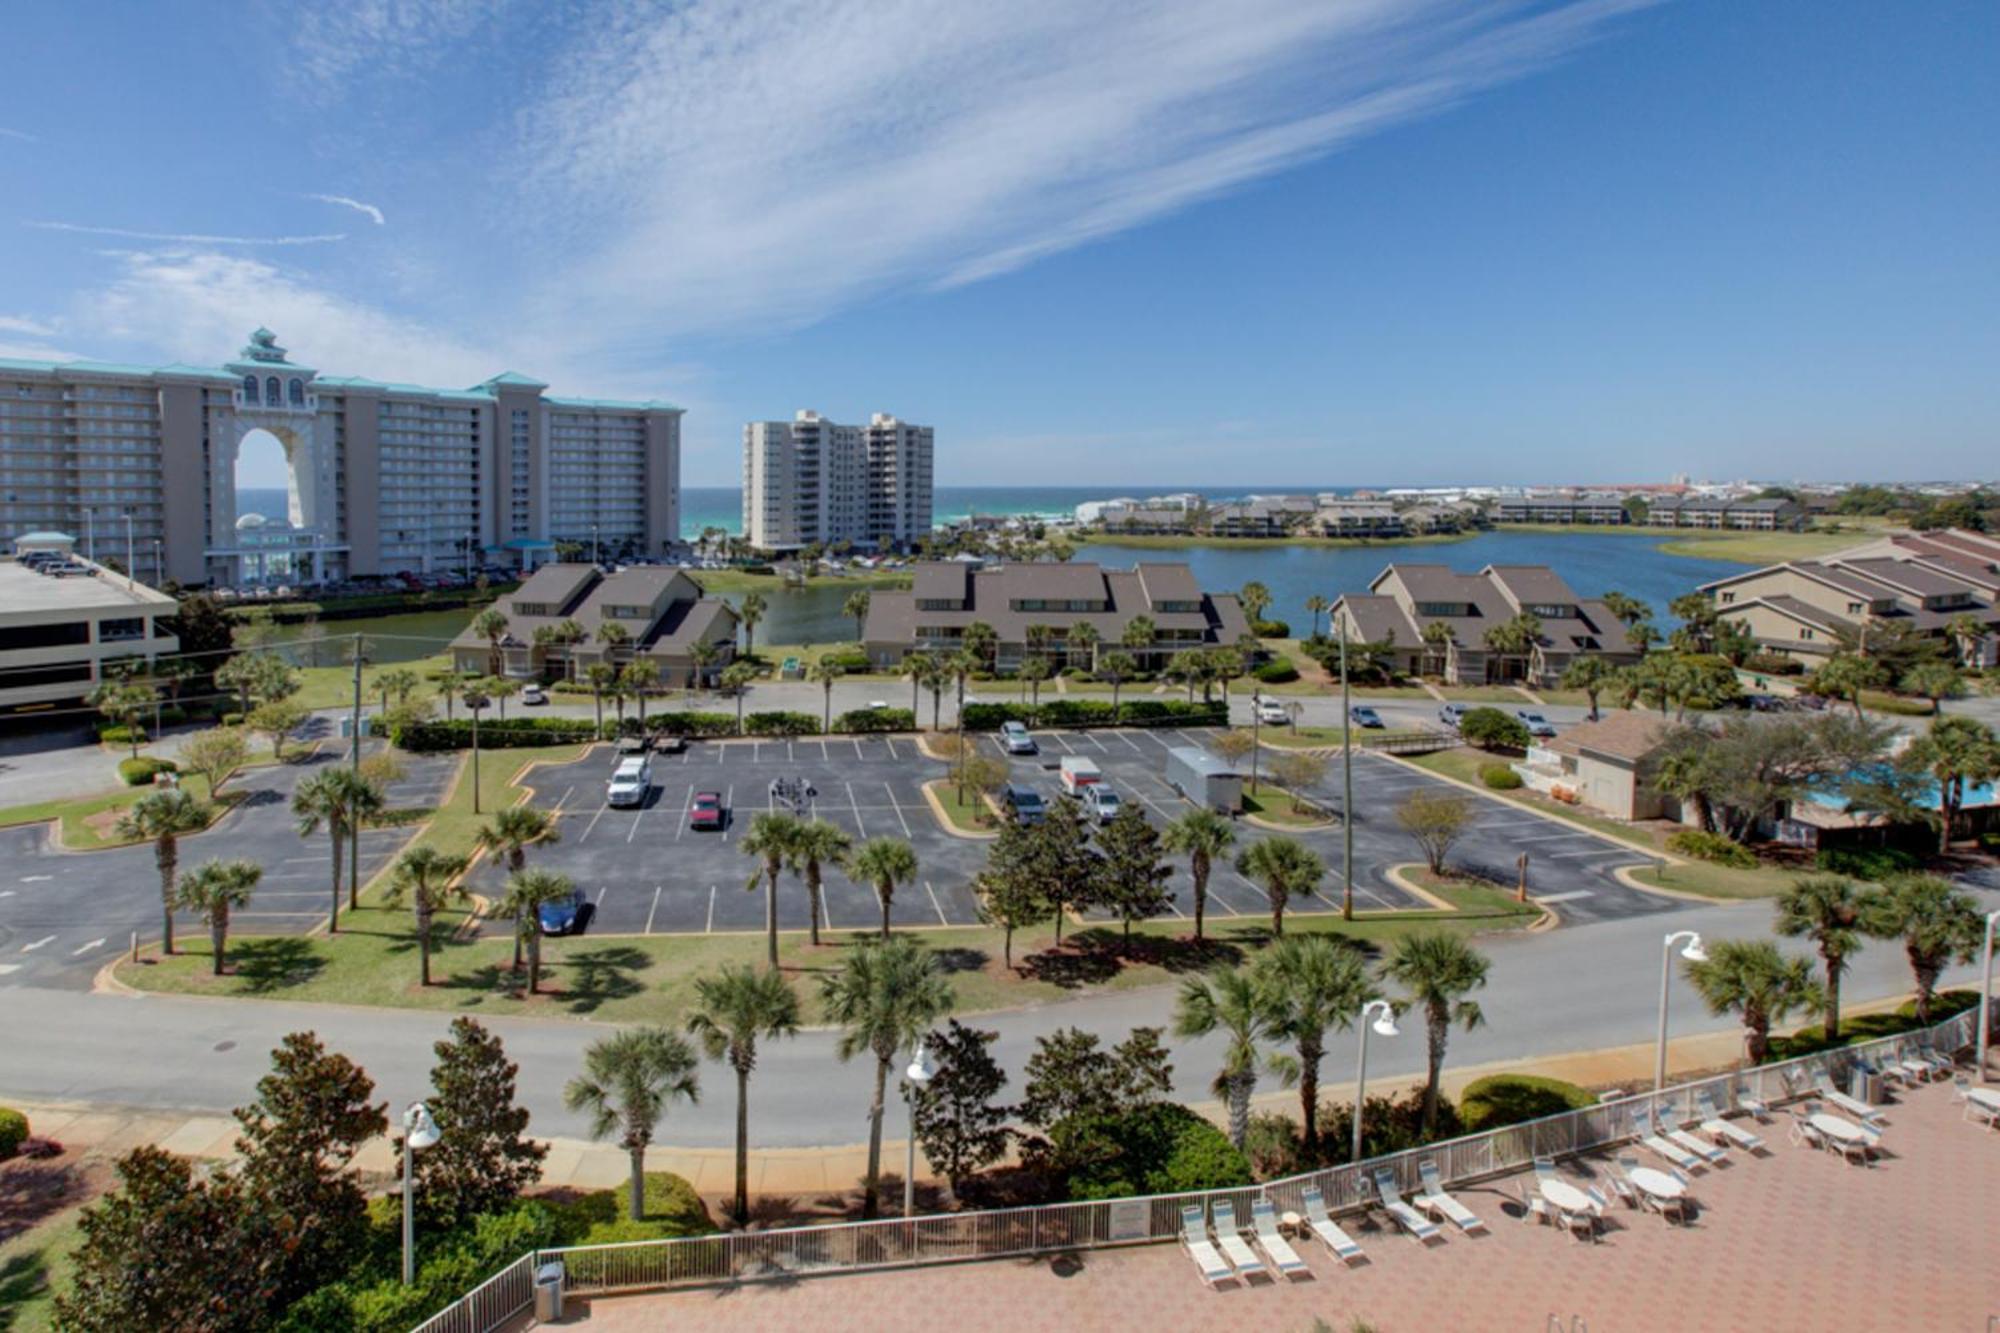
column 1346, row 801
column 354, row 760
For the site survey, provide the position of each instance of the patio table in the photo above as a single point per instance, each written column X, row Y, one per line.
column 1986, row 1097
column 1658, row 1186
column 1568, row 1197
column 1846, row 1131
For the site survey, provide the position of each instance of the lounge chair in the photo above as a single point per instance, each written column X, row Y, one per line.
column 1755, row 1105
column 1230, row 1238
column 1325, row 1228
column 1694, row 1143
column 1978, row 1111
column 1436, row 1201
column 1194, row 1239
column 1854, row 1106
column 1269, row 1239
column 1720, row 1128
column 1407, row 1217
column 1660, row 1146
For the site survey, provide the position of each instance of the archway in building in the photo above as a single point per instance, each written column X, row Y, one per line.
column 266, row 481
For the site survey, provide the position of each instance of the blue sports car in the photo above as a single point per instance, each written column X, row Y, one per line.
column 562, row 916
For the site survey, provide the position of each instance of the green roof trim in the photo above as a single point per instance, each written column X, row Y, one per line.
column 514, row 379
column 616, row 405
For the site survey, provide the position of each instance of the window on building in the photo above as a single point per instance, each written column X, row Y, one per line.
column 111, row 631
column 274, row 396
column 1806, row 634
column 296, row 391
column 249, row 388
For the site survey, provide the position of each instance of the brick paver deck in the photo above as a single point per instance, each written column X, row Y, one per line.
column 1793, row 1239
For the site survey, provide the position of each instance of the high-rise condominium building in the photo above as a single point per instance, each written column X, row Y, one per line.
column 812, row 480
column 381, row 478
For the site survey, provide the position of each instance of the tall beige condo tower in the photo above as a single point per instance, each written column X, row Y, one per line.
column 810, row 480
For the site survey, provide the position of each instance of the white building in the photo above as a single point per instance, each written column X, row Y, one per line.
column 63, row 618
column 810, row 480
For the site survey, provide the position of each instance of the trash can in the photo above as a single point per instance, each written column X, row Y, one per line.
column 1864, row 1086
column 549, row 1293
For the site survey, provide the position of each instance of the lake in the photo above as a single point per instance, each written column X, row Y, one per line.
column 1592, row 563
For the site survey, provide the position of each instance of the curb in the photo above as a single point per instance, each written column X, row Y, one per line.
column 936, row 804
column 1549, row 816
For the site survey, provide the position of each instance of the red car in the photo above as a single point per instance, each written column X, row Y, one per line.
column 707, row 811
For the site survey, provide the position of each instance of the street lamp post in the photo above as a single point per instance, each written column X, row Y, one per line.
column 1986, row 994
column 920, row 1072
column 419, row 1132
column 1694, row 954
column 1256, row 732
column 1384, row 1025
column 1346, row 789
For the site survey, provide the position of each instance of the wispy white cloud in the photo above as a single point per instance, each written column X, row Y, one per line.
column 382, row 39
column 22, row 135
column 724, row 165
column 186, row 238
column 26, row 325
column 355, row 204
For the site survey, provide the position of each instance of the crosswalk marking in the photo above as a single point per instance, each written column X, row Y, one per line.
column 30, row 948
column 84, row 949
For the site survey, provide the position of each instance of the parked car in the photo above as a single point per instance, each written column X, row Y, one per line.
column 707, row 811
column 1272, row 713
column 562, row 916
column 534, row 694
column 1536, row 724
column 1014, row 735
column 1024, row 803
column 1361, row 715
column 1101, row 803
column 630, row 782
column 1451, row 715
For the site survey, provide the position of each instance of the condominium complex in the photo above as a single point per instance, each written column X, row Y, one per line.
column 810, row 481
column 381, row 477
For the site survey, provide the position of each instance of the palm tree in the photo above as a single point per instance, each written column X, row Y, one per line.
column 1845, row 676
column 737, row 678
column 1968, row 633
column 1752, row 979
column 735, row 1009
column 1033, row 672
column 1827, row 910
column 628, row 1081
column 1309, row 984
column 823, row 674
column 339, row 799
column 613, row 638
column 1138, row 634
column 1286, row 867
column 917, row 667
column 1590, row 673
column 855, row 608
column 509, row 834
column 602, row 677
column 1116, row 668
column 163, row 817
column 491, row 625
column 1437, row 969
column 1514, row 637
column 1938, row 923
column 702, row 653
column 1956, row 750
column 980, row 642
column 771, row 836
column 1201, row 835
column 884, row 862
column 1315, row 604
column 448, row 684
column 1935, row 681
column 1626, row 607
column 527, row 893
column 500, row 689
column 213, row 889
column 817, row 844
column 885, row 997
column 1230, row 1001
column 428, row 876
column 750, row 614
column 1254, row 598
column 1082, row 638
column 637, row 677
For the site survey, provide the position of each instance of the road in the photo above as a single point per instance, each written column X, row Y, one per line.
column 1590, row 987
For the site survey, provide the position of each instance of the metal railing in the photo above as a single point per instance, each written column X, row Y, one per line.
column 797, row 1252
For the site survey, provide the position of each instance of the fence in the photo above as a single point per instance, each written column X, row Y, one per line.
column 953, row 1237
column 1409, row 742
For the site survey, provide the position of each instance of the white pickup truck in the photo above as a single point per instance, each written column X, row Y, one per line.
column 1078, row 773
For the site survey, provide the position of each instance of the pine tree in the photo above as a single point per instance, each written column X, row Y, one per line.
column 958, row 1126
column 1131, row 875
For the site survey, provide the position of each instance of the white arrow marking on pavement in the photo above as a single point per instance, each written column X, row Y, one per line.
column 5, row 968
column 78, row 953
column 6, row 893
column 46, row 939
column 35, row 879
column 1565, row 897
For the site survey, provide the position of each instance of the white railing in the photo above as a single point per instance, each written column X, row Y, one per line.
column 794, row 1252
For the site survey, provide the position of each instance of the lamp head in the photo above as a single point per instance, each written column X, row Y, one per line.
column 921, row 1070
column 1694, row 953
column 421, row 1130
column 1385, row 1017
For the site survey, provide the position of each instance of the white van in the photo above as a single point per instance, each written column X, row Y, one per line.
column 1078, row 773
column 630, row 782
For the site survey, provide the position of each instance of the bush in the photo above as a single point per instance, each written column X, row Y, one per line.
column 779, row 722
column 849, row 660
column 1500, row 777
column 1271, row 629
column 1508, row 1099
column 140, row 772
column 1076, row 713
column 1868, row 1027
column 1700, row 845
column 876, row 719
column 1773, row 664
column 1491, row 729
column 1277, row 672
column 671, row 1205
column 1388, row 1127
column 1871, row 863
column 120, row 734
column 1944, row 1004
column 1273, row 1146
column 1097, row 713
column 232, row 719
column 685, row 724
column 13, row 1129
column 433, row 736
column 1161, row 1148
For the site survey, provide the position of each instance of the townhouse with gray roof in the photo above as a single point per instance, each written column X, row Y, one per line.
column 1405, row 601
column 664, row 612
column 945, row 598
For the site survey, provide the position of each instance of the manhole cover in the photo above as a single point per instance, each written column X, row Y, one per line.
column 225, row 1046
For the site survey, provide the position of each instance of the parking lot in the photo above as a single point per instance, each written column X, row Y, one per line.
column 648, row 871
column 64, row 914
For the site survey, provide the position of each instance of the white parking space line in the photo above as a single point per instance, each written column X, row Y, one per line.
column 634, row 830
column 855, row 806
column 30, row 948
column 857, row 747
column 756, row 752
column 286, row 861
column 563, row 799
column 1092, row 738
column 654, row 908
column 790, row 758
column 728, row 810
column 1571, row 896
column 937, row 906
column 1542, row 837
column 7, row 968
column 1063, row 741
column 602, row 890
column 593, row 823
column 1130, row 743
column 825, row 913
column 710, row 927
column 721, row 753
column 892, row 746
column 687, row 805
column 899, row 808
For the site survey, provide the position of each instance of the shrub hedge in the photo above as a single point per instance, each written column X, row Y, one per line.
column 1508, row 1099
column 1871, row 863
column 684, row 724
column 1162, row 1148
column 780, row 722
column 1867, row 1027
column 1097, row 713
column 1277, row 672
column 875, row 719
column 1271, row 629
column 1500, row 777
column 1699, row 845
column 849, row 660
column 140, row 772
column 13, row 1129
column 1773, row 664
column 435, row 735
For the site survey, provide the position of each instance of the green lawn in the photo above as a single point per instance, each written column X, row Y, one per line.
column 89, row 823
column 971, row 815
column 1273, row 804
column 32, row 1265
column 738, row 581
column 333, row 686
column 1318, row 738
column 1767, row 548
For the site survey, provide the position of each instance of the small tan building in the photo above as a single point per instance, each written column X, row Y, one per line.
column 1606, row 765
column 663, row 611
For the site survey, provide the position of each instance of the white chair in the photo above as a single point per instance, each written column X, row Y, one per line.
column 1659, row 1146
column 1803, row 1132
column 1719, row 1127
column 1194, row 1239
column 1694, row 1143
column 1534, row 1208
column 1230, row 1238
column 1407, row 1217
column 1324, row 1227
column 1852, row 1105
column 1264, row 1217
column 1436, row 1201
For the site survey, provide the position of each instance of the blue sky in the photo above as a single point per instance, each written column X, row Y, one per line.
column 1393, row 240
